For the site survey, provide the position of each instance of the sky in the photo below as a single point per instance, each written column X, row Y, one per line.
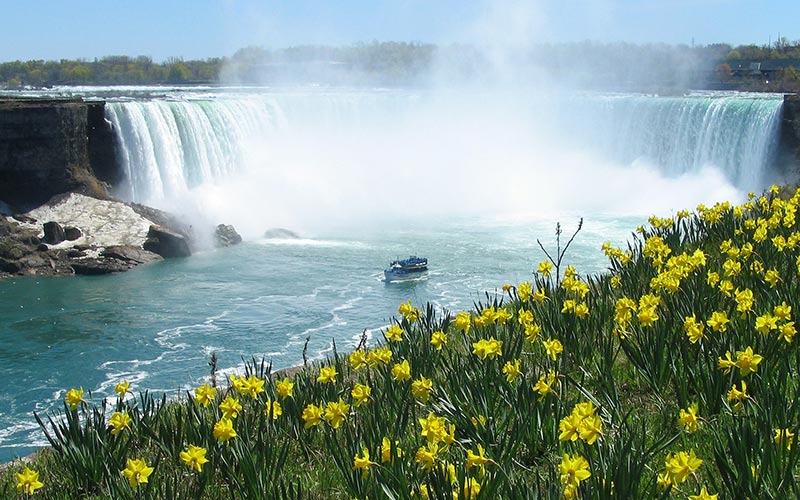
column 199, row 29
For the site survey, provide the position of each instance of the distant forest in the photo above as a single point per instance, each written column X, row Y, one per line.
column 584, row 65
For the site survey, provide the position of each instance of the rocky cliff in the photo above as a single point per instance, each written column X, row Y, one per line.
column 49, row 147
column 790, row 126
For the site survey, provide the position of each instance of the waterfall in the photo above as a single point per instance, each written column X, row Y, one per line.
column 171, row 144
column 738, row 134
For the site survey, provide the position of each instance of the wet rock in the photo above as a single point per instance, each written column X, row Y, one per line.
column 24, row 218
column 226, row 235
column 72, row 233
column 131, row 254
column 53, row 233
column 94, row 267
column 74, row 253
column 166, row 243
column 13, row 249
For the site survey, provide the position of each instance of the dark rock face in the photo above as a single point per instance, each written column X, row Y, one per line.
column 226, row 235
column 53, row 233
column 114, row 260
column 127, row 253
column 45, row 150
column 72, row 233
column 166, row 243
column 790, row 128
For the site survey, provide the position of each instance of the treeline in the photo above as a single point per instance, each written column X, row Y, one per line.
column 111, row 70
column 774, row 67
column 388, row 61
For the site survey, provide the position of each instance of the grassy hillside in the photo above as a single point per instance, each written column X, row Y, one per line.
column 674, row 375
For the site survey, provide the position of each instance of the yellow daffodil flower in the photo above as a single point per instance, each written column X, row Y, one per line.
column 312, row 415
column 362, row 462
column 28, row 481
column 336, row 413
column 204, row 395
column 223, row 430
column 74, row 397
column 119, row 421
column 327, row 374
column 136, row 472
column 230, row 408
column 194, row 457
column 360, row 394
column 401, row 371
column 284, row 388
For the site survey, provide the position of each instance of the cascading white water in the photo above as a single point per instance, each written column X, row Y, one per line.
column 737, row 133
column 320, row 150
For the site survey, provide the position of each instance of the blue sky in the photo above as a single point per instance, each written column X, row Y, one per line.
column 197, row 29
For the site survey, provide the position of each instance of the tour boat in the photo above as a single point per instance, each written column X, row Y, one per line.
column 406, row 269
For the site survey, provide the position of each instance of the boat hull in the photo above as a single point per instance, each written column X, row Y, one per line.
column 392, row 276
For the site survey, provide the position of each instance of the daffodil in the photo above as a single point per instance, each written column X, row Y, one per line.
column 421, row 389
column 694, row 329
column 727, row 363
column 360, row 394
column 553, row 348
column 28, row 481
column 512, row 370
column 394, row 334
column 438, row 339
column 119, row 421
column 783, row 311
column 718, row 321
column 532, row 332
column 136, row 472
column 223, row 430
column 570, row 427
column 336, row 412
column 358, row 359
column 401, row 371
column 747, row 361
column 426, row 456
column 379, row 356
column 122, row 388
column 463, row 321
column 738, row 396
column 230, row 407
column 688, row 418
column 312, row 415
column 433, row 428
column 591, row 429
column 74, row 397
column 386, row 450
column 573, row 469
column 194, row 457
column 362, row 462
column 327, row 374
column 544, row 385
column 784, row 437
column 284, row 388
column 680, row 465
column 204, row 395
column 703, row 495
column 787, row 331
column 477, row 459
column 524, row 291
column 545, row 268
column 488, row 348
column 273, row 409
